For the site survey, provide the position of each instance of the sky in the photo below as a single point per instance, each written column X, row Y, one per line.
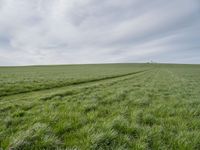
column 41, row 32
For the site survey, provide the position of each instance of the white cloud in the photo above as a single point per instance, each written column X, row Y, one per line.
column 92, row 31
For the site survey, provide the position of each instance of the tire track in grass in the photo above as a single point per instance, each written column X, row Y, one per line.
column 47, row 91
column 38, row 98
column 77, row 83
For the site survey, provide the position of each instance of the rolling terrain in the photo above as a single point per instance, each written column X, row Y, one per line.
column 110, row 106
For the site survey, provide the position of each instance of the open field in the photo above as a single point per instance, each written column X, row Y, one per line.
column 111, row 106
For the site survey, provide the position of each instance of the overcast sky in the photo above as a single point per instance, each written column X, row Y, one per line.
column 99, row 31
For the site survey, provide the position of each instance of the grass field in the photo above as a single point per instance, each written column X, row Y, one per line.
column 100, row 107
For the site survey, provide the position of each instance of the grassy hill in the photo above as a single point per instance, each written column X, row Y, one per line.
column 108, row 106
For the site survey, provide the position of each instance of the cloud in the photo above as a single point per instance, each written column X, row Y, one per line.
column 92, row 31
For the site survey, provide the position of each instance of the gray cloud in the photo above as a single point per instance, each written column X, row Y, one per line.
column 92, row 31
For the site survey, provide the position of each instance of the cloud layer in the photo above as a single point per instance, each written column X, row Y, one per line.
column 93, row 31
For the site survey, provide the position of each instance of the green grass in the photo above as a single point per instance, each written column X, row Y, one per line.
column 99, row 107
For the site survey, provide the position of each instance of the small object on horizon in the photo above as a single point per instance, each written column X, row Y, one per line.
column 151, row 62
